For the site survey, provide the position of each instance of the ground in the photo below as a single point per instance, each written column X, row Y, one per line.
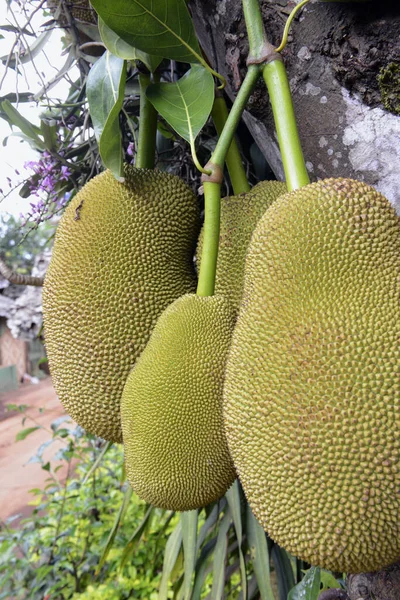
column 17, row 476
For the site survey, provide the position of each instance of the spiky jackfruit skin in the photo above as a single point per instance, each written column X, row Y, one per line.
column 123, row 252
column 312, row 392
column 239, row 216
column 176, row 454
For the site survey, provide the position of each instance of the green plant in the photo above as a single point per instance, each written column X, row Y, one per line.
column 55, row 552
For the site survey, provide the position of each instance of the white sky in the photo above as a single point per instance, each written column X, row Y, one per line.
column 16, row 153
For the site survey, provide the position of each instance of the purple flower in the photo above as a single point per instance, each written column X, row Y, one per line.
column 130, row 149
column 65, row 173
column 47, row 184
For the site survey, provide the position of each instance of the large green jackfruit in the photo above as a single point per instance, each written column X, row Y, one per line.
column 123, row 252
column 312, row 392
column 176, row 454
column 239, row 216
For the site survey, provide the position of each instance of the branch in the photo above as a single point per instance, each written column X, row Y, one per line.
column 18, row 279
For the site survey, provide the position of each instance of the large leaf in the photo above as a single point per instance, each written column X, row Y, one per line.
column 309, row 587
column 160, row 27
column 118, row 47
column 30, row 130
column 259, row 555
column 185, row 104
column 105, row 92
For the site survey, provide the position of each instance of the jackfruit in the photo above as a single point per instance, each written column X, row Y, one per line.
column 239, row 216
column 311, row 398
column 80, row 10
column 123, row 252
column 176, row 454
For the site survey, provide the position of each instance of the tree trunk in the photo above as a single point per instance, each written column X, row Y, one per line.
column 343, row 62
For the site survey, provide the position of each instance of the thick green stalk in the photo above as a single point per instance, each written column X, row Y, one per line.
column 255, row 28
column 274, row 73
column 233, row 159
column 275, row 77
column 212, row 189
column 226, row 137
column 209, row 254
column 146, row 150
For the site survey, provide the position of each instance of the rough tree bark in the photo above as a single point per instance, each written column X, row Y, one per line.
column 343, row 62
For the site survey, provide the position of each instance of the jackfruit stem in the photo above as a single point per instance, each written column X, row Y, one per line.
column 209, row 255
column 233, row 159
column 212, row 190
column 226, row 137
column 275, row 77
column 146, row 148
column 255, row 27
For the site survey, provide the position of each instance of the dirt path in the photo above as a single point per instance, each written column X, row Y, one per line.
column 18, row 477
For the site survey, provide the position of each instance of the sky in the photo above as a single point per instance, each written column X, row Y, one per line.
column 15, row 153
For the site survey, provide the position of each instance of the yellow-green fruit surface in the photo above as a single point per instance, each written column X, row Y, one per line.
column 312, row 393
column 176, row 454
column 239, row 216
column 123, row 252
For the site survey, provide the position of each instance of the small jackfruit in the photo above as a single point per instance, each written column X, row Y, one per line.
column 80, row 10
column 123, row 252
column 311, row 399
column 176, row 454
column 239, row 216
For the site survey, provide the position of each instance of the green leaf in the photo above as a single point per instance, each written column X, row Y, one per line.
column 218, row 584
column 49, row 132
column 189, row 520
column 233, row 498
column 105, row 92
column 118, row 47
column 135, row 537
column 172, row 549
column 283, row 569
column 118, row 520
column 160, row 27
column 185, row 104
column 259, row 555
column 309, row 587
column 23, row 124
column 210, row 522
column 328, row 580
column 21, row 435
column 13, row 97
column 203, row 567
